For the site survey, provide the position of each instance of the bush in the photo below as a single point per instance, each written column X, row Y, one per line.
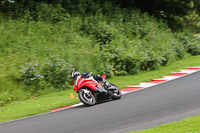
column 110, row 41
column 54, row 74
column 57, row 73
column 31, row 75
column 190, row 42
column 144, row 45
column 49, row 13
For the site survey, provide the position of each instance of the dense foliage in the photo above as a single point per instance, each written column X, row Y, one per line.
column 41, row 42
column 177, row 13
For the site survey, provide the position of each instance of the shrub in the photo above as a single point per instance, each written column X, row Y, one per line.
column 190, row 42
column 31, row 75
column 110, row 41
column 55, row 74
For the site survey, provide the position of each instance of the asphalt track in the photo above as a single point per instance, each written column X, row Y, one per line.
column 166, row 102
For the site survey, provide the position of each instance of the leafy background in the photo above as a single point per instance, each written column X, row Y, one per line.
column 42, row 41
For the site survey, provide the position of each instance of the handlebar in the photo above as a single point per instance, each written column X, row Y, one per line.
column 86, row 75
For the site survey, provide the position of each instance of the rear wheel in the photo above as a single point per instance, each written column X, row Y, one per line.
column 87, row 97
column 116, row 94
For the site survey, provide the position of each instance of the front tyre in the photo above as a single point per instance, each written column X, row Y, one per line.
column 87, row 97
column 116, row 94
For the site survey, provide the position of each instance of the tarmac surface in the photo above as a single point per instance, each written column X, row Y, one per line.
column 154, row 106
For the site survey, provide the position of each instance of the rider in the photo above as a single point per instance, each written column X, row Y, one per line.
column 97, row 77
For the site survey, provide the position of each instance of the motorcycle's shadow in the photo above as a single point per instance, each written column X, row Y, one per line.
column 98, row 103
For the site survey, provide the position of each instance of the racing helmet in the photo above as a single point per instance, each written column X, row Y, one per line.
column 75, row 74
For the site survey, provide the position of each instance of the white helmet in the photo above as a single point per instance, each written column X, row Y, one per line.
column 75, row 74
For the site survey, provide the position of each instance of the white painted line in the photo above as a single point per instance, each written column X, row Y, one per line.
column 79, row 104
column 188, row 71
column 171, row 77
column 143, row 84
column 124, row 92
column 135, row 86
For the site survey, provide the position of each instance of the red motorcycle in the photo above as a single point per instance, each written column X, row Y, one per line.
column 90, row 89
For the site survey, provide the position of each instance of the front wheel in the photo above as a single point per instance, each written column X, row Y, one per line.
column 87, row 97
column 116, row 94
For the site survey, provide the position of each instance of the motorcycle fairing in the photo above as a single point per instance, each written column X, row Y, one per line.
column 86, row 83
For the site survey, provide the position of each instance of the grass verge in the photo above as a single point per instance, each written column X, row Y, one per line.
column 123, row 81
column 189, row 125
column 33, row 106
column 54, row 100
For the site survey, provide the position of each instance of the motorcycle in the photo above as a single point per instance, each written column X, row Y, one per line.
column 90, row 89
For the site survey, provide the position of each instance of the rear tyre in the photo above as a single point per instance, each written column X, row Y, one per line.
column 87, row 97
column 116, row 94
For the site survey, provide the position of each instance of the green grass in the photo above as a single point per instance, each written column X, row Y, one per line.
column 37, row 105
column 115, row 44
column 123, row 81
column 54, row 100
column 189, row 125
